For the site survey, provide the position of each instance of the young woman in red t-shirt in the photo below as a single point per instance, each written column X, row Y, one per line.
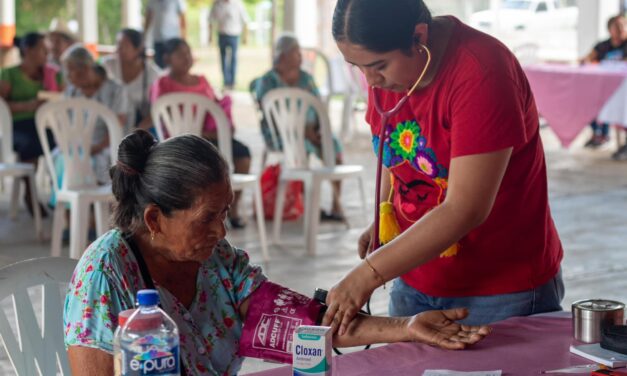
column 463, row 168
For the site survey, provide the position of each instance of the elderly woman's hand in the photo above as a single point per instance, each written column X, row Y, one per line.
column 440, row 328
column 346, row 298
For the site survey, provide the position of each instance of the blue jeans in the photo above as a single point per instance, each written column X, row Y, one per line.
column 228, row 57
column 600, row 129
column 159, row 51
column 407, row 301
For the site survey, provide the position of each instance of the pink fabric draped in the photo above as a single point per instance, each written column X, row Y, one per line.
column 569, row 98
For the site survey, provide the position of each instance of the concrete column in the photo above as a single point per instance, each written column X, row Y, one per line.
column 306, row 29
column 132, row 14
column 495, row 7
column 203, row 22
column 592, row 22
column 88, row 23
column 289, row 15
column 7, row 22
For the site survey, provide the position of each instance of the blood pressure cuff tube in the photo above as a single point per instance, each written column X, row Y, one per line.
column 274, row 312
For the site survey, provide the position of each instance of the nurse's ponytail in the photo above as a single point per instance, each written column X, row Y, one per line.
column 379, row 26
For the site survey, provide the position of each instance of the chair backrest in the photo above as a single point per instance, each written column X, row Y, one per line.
column 286, row 110
column 32, row 348
column 6, row 134
column 176, row 114
column 272, row 143
column 72, row 122
column 313, row 61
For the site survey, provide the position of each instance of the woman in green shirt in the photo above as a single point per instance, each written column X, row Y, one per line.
column 19, row 87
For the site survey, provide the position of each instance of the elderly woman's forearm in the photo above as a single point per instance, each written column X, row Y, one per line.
column 365, row 330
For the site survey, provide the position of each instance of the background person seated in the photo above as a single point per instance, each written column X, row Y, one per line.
column 172, row 200
column 613, row 49
column 286, row 72
column 19, row 87
column 89, row 80
column 178, row 57
column 59, row 39
column 130, row 68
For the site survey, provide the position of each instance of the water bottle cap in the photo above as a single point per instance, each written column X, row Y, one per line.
column 148, row 297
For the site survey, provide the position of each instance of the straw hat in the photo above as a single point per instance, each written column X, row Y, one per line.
column 60, row 26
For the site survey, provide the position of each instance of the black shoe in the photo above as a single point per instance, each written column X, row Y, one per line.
column 332, row 217
column 620, row 154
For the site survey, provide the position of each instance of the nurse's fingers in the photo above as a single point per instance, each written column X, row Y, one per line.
column 327, row 320
column 346, row 320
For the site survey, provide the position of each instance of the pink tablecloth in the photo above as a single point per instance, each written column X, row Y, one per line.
column 570, row 97
column 518, row 346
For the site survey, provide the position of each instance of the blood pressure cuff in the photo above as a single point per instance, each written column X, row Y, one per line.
column 274, row 312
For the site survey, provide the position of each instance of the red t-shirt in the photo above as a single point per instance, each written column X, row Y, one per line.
column 479, row 102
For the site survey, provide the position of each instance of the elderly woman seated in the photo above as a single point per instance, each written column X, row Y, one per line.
column 172, row 201
column 286, row 72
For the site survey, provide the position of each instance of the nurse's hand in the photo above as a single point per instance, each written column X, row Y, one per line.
column 439, row 328
column 364, row 245
column 346, row 298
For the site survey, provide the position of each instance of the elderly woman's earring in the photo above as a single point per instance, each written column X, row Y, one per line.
column 152, row 236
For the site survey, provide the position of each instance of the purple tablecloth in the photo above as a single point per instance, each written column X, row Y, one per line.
column 570, row 97
column 518, row 346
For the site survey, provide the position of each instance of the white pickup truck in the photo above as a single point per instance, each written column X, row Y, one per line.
column 526, row 15
column 549, row 24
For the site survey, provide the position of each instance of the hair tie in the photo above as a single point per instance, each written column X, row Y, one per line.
column 126, row 169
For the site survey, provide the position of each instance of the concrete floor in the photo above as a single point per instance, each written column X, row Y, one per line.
column 588, row 196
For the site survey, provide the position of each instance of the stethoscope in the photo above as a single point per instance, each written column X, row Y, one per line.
column 385, row 116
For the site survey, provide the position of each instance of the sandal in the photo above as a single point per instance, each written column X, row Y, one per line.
column 237, row 223
column 335, row 217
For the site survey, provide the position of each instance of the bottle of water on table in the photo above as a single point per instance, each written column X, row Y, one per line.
column 149, row 340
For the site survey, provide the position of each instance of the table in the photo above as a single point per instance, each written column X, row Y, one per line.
column 518, row 346
column 569, row 97
column 615, row 109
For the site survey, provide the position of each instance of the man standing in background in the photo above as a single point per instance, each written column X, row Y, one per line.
column 231, row 19
column 166, row 18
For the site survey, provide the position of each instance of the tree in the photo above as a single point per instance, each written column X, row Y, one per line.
column 36, row 15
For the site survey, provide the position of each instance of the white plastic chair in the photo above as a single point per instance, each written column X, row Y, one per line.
column 269, row 148
column 35, row 349
column 184, row 113
column 334, row 79
column 10, row 168
column 338, row 81
column 72, row 121
column 287, row 108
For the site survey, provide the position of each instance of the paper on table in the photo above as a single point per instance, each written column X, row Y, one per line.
column 448, row 372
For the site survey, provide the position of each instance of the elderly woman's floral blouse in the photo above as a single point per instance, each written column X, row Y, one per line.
column 106, row 281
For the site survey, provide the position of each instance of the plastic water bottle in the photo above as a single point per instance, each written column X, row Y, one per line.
column 117, row 353
column 148, row 340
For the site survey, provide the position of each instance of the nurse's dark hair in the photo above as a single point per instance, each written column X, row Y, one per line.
column 170, row 174
column 379, row 25
column 27, row 41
